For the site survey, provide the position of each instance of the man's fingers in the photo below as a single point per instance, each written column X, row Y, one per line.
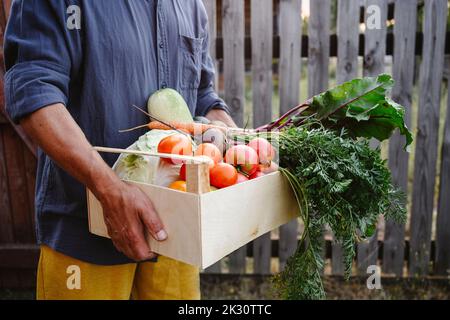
column 152, row 223
column 138, row 246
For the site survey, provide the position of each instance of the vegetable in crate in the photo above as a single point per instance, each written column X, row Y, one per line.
column 338, row 180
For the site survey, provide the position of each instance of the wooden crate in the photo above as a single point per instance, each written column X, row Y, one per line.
column 204, row 227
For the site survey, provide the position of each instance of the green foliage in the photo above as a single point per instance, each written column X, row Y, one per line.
column 362, row 107
column 339, row 182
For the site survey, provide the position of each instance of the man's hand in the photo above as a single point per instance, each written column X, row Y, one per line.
column 128, row 211
column 220, row 115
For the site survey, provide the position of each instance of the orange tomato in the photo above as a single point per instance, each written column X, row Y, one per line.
column 175, row 144
column 178, row 185
column 223, row 175
column 209, row 150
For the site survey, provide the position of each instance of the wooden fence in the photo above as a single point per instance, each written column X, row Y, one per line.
column 243, row 42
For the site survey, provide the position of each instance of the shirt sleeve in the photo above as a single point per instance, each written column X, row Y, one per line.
column 41, row 55
column 207, row 98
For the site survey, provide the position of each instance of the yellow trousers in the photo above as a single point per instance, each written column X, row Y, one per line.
column 64, row 278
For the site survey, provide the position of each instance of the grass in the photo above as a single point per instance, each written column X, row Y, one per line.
column 259, row 287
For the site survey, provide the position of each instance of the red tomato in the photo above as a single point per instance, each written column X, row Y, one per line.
column 209, row 150
column 243, row 157
column 183, row 172
column 263, row 148
column 223, row 175
column 175, row 144
column 257, row 174
column 266, row 169
column 241, row 178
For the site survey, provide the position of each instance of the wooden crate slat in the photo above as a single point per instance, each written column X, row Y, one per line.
column 442, row 261
column 319, row 46
column 403, row 74
column 434, row 26
column 262, row 87
column 347, row 69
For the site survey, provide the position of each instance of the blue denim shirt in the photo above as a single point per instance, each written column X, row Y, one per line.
column 118, row 54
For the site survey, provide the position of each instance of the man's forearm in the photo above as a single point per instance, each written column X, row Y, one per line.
column 57, row 133
column 221, row 115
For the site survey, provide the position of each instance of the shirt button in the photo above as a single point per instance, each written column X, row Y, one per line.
column 164, row 85
column 161, row 45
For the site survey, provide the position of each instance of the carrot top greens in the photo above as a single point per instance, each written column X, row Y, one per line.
column 341, row 183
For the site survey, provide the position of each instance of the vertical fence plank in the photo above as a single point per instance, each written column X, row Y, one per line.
column 30, row 164
column 442, row 261
column 375, row 39
column 348, row 40
column 234, row 68
column 6, row 226
column 261, row 34
column 319, row 46
column 17, row 186
column 434, row 27
column 403, row 73
column 262, row 52
column 374, row 54
column 211, row 10
column 347, row 69
column 290, row 67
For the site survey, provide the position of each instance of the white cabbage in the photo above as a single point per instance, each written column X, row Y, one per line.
column 147, row 169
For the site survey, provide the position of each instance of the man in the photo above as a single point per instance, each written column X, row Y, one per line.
column 74, row 69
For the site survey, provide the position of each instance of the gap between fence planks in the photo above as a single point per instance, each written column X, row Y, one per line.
column 234, row 68
column 434, row 26
column 262, row 87
column 403, row 74
column 347, row 69
column 289, row 73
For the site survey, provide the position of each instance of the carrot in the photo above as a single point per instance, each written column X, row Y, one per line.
column 190, row 127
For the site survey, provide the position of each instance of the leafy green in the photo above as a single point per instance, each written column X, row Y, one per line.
column 363, row 108
column 142, row 168
column 341, row 183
